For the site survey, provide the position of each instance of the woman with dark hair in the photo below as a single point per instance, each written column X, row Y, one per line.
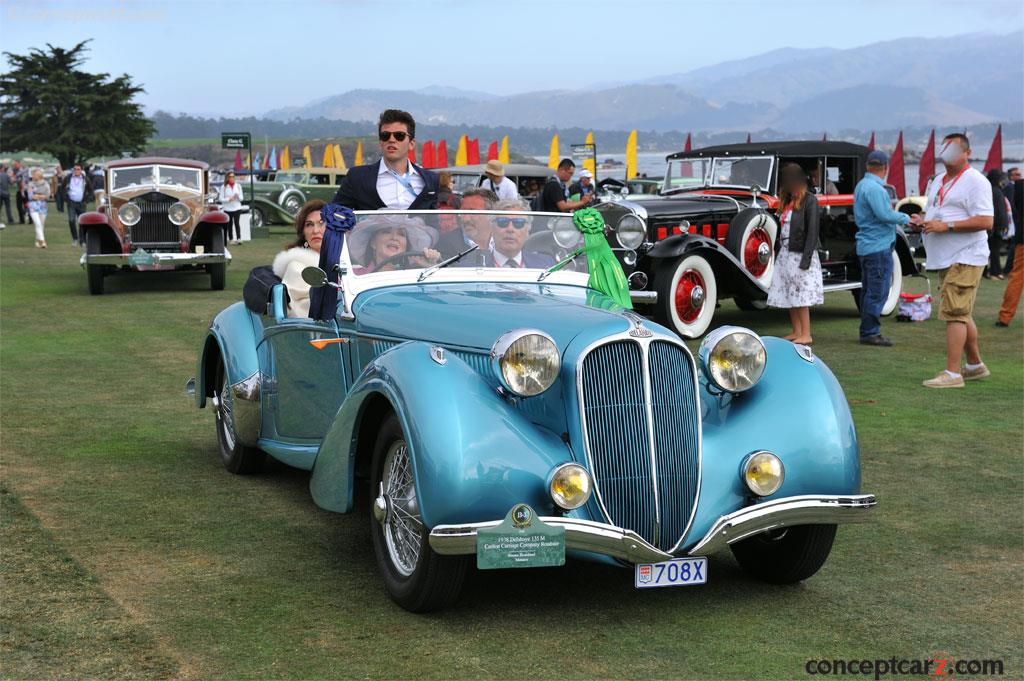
column 997, row 178
column 298, row 255
column 231, row 198
column 376, row 242
column 796, row 283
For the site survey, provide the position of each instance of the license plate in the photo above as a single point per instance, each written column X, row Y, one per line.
column 675, row 572
column 140, row 258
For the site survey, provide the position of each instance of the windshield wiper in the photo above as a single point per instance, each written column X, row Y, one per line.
column 559, row 265
column 444, row 263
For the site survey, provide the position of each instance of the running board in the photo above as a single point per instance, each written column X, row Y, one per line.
column 848, row 286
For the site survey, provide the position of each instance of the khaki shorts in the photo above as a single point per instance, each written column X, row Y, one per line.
column 958, row 287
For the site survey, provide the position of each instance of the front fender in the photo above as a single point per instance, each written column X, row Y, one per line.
column 232, row 341
column 732, row 277
column 110, row 238
column 797, row 411
column 473, row 456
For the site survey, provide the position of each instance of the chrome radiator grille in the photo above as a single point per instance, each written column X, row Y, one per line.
column 641, row 421
column 155, row 228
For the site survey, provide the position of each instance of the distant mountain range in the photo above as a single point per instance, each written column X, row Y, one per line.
column 960, row 80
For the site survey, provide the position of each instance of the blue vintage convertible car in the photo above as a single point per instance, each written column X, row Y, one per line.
column 516, row 415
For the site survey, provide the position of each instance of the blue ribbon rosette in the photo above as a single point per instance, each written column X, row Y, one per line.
column 323, row 301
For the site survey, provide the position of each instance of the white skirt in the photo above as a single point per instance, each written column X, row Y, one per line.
column 792, row 286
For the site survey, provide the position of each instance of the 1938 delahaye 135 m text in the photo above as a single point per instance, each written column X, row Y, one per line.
column 519, row 416
column 155, row 214
column 711, row 233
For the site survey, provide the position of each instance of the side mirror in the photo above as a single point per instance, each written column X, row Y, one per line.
column 315, row 277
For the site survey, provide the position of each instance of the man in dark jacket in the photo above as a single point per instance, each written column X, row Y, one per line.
column 1013, row 174
column 393, row 182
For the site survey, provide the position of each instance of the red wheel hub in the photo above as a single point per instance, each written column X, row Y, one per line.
column 689, row 298
column 757, row 251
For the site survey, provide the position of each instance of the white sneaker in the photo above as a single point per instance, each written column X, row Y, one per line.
column 944, row 380
column 974, row 374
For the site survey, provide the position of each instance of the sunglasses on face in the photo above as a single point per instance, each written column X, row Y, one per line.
column 399, row 136
column 518, row 223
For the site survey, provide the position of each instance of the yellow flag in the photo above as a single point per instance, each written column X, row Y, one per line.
column 285, row 162
column 359, row 153
column 307, row 156
column 591, row 163
column 553, row 157
column 339, row 160
column 631, row 155
column 503, row 154
column 462, row 155
column 328, row 156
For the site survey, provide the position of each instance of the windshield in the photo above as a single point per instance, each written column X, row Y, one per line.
column 290, row 177
column 686, row 174
column 386, row 241
column 741, row 172
column 141, row 176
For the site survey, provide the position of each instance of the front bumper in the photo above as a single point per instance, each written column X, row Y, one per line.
column 158, row 258
column 628, row 546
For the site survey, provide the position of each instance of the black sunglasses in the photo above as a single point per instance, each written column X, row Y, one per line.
column 518, row 223
column 399, row 136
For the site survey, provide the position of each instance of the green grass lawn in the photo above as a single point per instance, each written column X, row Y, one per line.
column 129, row 552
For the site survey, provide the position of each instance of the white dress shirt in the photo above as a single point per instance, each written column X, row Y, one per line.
column 392, row 192
column 500, row 259
column 506, row 189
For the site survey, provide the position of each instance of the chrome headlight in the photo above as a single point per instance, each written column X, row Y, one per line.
column 129, row 214
column 763, row 473
column 565, row 233
column 733, row 358
column 570, row 486
column 631, row 232
column 179, row 213
column 526, row 361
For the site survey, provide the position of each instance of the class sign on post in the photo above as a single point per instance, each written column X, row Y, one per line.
column 234, row 140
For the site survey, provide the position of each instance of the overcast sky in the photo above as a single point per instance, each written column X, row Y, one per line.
column 226, row 57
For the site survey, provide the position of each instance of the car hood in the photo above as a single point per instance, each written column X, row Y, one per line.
column 474, row 315
column 689, row 205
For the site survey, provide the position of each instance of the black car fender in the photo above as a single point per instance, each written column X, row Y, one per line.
column 731, row 277
column 905, row 253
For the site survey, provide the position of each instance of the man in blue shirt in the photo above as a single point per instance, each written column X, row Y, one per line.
column 876, row 235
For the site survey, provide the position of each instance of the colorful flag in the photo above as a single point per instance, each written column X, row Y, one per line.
column 429, row 155
column 412, row 154
column 553, row 155
column 492, row 151
column 285, row 162
column 359, row 153
column 461, row 152
column 824, row 137
column 238, row 161
column 687, row 146
column 307, row 156
column 257, row 162
column 748, row 138
column 871, row 143
column 272, row 159
column 927, row 165
column 591, row 163
column 896, row 177
column 339, row 159
column 441, row 160
column 995, row 152
column 328, row 161
column 503, row 155
column 631, row 155
column 473, row 151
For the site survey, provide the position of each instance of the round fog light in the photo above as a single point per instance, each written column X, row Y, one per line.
column 763, row 472
column 570, row 486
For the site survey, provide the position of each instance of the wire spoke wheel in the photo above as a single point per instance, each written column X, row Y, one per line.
column 403, row 529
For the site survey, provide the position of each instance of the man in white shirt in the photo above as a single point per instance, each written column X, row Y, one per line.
column 958, row 215
column 394, row 182
column 504, row 188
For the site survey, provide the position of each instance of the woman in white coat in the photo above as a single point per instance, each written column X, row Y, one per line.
column 302, row 253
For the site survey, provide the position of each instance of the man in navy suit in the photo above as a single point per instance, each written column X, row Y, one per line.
column 509, row 235
column 393, row 182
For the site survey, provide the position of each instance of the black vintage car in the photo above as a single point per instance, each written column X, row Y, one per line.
column 711, row 233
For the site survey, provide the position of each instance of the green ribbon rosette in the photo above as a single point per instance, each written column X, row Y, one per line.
column 606, row 273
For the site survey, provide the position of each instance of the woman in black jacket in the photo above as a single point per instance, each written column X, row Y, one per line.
column 796, row 283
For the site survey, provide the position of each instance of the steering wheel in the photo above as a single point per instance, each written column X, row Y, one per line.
column 405, row 256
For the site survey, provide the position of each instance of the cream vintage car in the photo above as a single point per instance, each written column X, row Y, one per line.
column 155, row 214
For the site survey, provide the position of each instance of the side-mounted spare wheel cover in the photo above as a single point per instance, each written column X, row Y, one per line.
column 751, row 239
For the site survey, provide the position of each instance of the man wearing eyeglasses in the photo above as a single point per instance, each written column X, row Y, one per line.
column 394, row 182
column 509, row 235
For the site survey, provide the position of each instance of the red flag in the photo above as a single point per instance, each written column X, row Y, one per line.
column 896, row 177
column 429, row 156
column 238, row 161
column 442, row 155
column 927, row 165
column 824, row 137
column 687, row 147
column 748, row 138
column 871, row 143
column 473, row 151
column 492, row 151
column 995, row 153
column 412, row 154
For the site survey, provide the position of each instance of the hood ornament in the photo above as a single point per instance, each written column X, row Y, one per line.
column 638, row 330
